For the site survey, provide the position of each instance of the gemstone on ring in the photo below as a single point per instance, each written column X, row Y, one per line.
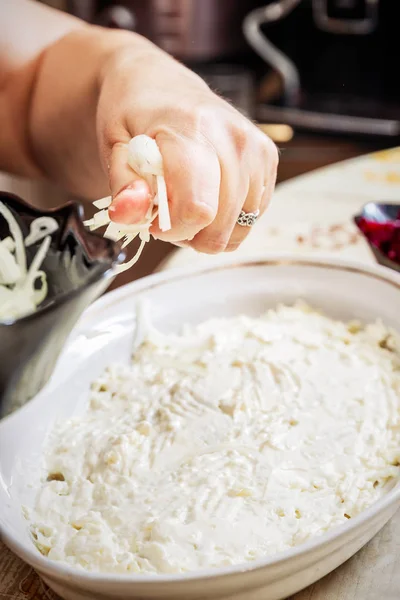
column 247, row 219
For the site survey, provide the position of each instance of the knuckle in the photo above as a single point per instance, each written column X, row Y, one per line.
column 206, row 214
column 195, row 120
column 203, row 117
column 232, row 246
column 198, row 213
column 107, row 137
column 119, row 146
column 241, row 136
column 216, row 246
column 209, row 245
column 265, row 203
column 271, row 151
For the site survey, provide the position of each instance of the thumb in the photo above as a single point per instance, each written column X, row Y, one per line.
column 131, row 193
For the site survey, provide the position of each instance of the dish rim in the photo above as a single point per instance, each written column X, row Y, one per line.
column 68, row 573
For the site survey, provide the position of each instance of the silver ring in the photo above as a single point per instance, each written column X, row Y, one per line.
column 247, row 219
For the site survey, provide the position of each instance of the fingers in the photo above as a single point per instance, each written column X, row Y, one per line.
column 131, row 194
column 252, row 204
column 260, row 193
column 192, row 175
column 208, row 184
column 233, row 191
column 248, row 174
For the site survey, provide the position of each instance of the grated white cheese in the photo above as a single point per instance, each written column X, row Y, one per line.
column 145, row 159
column 237, row 440
column 19, row 293
column 40, row 228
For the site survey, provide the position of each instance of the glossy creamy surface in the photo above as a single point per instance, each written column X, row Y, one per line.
column 237, row 440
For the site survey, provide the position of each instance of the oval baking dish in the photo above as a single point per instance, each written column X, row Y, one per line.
column 105, row 333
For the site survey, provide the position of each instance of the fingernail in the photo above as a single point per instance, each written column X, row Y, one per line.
column 139, row 186
column 131, row 204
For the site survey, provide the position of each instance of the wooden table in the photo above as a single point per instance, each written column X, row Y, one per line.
column 311, row 214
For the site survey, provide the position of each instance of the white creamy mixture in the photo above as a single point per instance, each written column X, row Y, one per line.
column 239, row 439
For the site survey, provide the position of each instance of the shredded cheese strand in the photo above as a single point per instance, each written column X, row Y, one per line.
column 145, row 158
column 103, row 202
column 16, row 233
column 10, row 271
column 19, row 294
column 127, row 265
column 40, row 228
column 37, row 261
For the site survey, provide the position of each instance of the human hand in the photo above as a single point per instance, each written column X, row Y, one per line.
column 216, row 162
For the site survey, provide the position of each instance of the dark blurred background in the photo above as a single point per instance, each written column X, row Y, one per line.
column 321, row 77
column 305, row 69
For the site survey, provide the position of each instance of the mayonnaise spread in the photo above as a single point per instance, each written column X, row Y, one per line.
column 234, row 441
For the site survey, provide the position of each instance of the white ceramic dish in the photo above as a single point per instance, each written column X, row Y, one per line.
column 105, row 333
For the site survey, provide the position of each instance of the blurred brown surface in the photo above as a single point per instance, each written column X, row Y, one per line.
column 307, row 152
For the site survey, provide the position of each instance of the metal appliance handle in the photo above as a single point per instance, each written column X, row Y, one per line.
column 270, row 53
column 342, row 26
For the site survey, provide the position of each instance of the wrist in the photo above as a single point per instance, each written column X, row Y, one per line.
column 124, row 51
column 118, row 48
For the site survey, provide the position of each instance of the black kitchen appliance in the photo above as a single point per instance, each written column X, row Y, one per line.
column 335, row 61
column 318, row 65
